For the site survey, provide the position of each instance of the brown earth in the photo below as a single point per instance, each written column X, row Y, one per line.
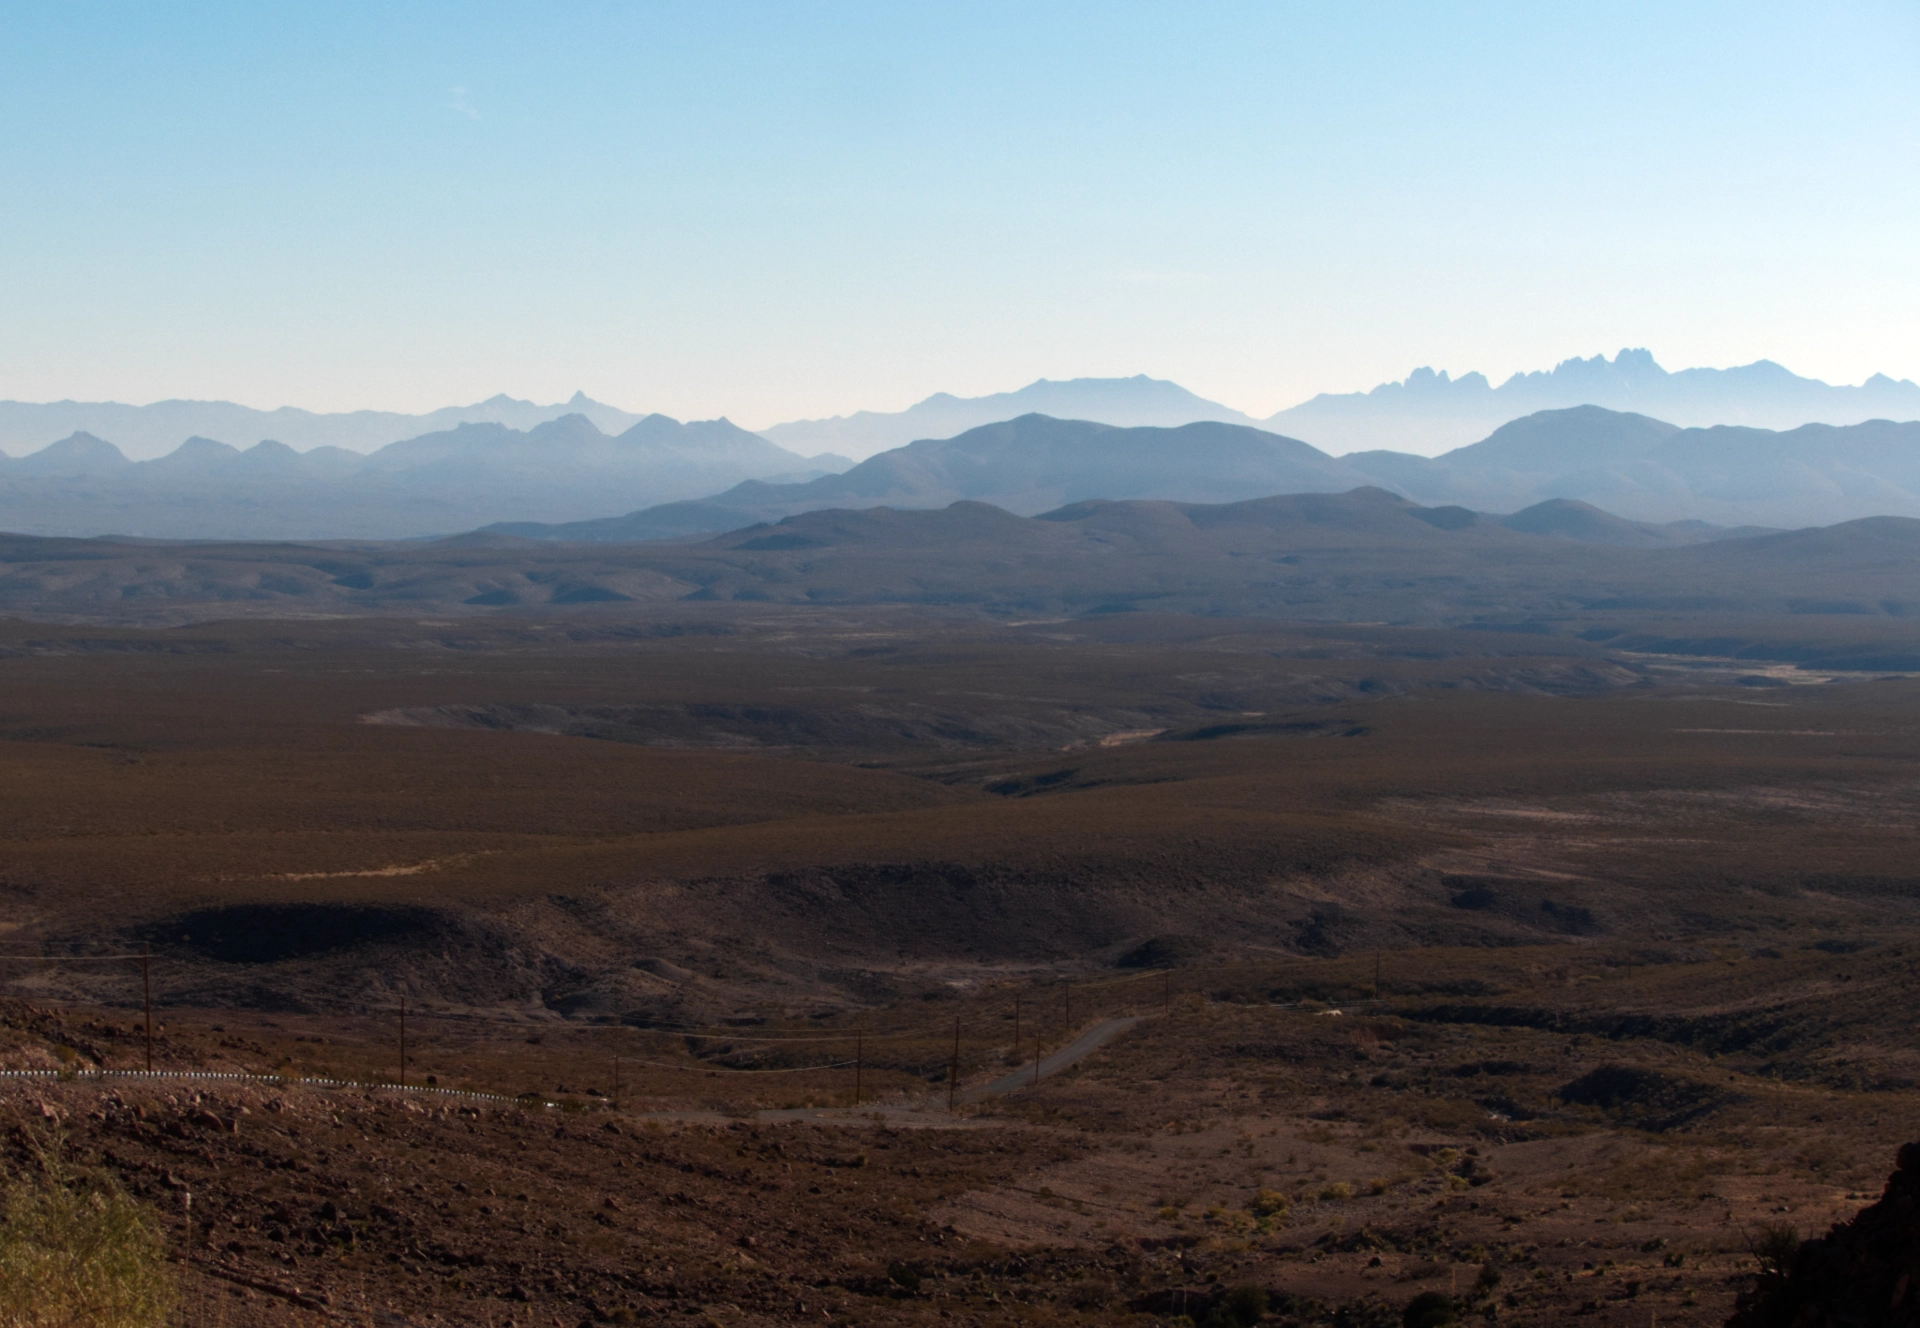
column 1645, row 925
column 1545, row 1134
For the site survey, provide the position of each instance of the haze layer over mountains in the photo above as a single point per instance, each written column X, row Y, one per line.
column 1430, row 412
column 145, row 432
column 587, row 471
column 1635, row 467
column 438, row 483
column 1427, row 413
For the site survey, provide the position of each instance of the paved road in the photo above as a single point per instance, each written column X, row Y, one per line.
column 1074, row 1052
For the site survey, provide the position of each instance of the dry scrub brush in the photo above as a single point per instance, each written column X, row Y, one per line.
column 79, row 1252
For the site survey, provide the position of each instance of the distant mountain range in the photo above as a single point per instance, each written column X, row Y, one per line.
column 1027, row 465
column 1430, row 412
column 1655, row 471
column 146, row 432
column 1642, row 468
column 556, row 480
column 1047, row 444
column 1124, row 401
column 150, row 432
column 452, row 480
column 1427, row 413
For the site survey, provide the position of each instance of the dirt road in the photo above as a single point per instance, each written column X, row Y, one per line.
column 1075, row 1051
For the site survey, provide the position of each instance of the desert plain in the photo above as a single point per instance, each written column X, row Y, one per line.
column 1362, row 961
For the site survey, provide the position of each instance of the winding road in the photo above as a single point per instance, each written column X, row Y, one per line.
column 1074, row 1052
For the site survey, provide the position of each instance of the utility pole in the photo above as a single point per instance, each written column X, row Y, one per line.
column 859, row 1046
column 403, row 1042
column 146, row 978
column 953, row 1066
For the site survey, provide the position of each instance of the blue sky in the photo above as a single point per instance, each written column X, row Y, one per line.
column 782, row 210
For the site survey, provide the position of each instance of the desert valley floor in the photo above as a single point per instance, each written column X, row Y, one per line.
column 1550, row 975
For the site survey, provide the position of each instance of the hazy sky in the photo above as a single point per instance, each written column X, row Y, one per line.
column 782, row 210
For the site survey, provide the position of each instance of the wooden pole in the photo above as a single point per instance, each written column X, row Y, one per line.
column 953, row 1066
column 403, row 1042
column 859, row 1046
column 146, row 978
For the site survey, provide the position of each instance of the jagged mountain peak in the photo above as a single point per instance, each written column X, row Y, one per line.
column 1431, row 411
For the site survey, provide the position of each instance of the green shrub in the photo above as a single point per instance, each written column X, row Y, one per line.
column 81, row 1254
column 1243, row 1307
column 1430, row 1309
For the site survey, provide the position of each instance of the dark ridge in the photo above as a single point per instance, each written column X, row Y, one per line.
column 1653, row 1100
column 1174, row 951
column 270, row 933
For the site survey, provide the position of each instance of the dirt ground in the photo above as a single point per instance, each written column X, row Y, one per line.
column 1537, row 1149
column 1531, row 972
